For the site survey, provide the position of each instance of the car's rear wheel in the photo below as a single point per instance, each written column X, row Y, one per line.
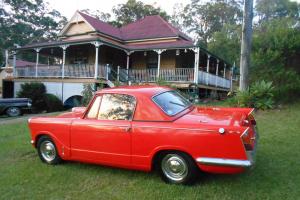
column 13, row 111
column 47, row 151
column 177, row 168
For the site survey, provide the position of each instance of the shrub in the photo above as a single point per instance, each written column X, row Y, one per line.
column 53, row 103
column 260, row 96
column 87, row 94
column 36, row 92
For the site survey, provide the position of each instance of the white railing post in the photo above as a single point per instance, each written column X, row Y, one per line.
column 64, row 48
column 97, row 45
column 37, row 61
column 159, row 51
column 207, row 68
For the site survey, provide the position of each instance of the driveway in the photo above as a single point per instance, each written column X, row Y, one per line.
column 25, row 117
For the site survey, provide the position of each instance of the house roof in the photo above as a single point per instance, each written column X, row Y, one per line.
column 101, row 26
column 150, row 27
column 147, row 28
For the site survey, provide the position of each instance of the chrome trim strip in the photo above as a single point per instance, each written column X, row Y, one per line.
column 224, row 162
column 165, row 127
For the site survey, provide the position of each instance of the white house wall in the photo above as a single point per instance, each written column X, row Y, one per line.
column 61, row 90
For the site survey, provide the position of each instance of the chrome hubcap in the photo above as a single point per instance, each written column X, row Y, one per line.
column 48, row 151
column 174, row 167
column 14, row 111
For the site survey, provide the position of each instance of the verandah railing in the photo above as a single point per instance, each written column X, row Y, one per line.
column 205, row 78
column 136, row 75
column 171, row 75
column 72, row 71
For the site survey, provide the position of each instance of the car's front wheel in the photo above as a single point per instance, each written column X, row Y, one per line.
column 177, row 168
column 47, row 151
column 13, row 111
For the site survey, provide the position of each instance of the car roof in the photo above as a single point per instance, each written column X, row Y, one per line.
column 136, row 90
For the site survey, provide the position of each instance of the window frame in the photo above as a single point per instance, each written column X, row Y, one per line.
column 152, row 98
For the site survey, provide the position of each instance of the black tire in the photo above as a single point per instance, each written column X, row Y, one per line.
column 183, row 170
column 47, row 151
column 13, row 111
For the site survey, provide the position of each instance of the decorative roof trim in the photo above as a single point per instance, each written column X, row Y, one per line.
column 150, row 39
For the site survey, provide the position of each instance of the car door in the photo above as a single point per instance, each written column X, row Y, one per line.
column 104, row 134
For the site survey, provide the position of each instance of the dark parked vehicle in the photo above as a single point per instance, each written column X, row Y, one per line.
column 14, row 106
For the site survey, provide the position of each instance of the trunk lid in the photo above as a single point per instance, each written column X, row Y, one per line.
column 214, row 116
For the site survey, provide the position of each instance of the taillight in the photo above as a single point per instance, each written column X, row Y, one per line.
column 247, row 141
column 252, row 120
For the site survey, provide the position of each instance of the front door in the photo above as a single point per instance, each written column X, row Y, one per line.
column 104, row 135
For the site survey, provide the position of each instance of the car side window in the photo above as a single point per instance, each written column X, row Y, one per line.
column 117, row 107
column 92, row 114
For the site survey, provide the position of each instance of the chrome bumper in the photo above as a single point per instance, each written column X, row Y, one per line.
column 224, row 162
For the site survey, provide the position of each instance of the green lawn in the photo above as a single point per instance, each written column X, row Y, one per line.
column 276, row 175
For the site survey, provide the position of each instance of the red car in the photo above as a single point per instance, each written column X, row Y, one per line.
column 146, row 128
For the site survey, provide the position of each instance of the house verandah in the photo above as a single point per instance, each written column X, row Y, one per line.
column 138, row 56
column 96, row 61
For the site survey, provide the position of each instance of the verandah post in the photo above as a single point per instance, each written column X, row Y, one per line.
column 37, row 61
column 14, row 63
column 159, row 51
column 217, row 72
column 207, row 68
column 196, row 64
column 97, row 45
column 64, row 48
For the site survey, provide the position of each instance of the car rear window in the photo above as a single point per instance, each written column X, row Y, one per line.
column 171, row 102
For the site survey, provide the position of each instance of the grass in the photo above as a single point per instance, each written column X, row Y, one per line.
column 275, row 176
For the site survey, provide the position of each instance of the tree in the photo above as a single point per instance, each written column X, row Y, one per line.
column 106, row 17
column 134, row 10
column 246, row 45
column 227, row 42
column 26, row 21
column 271, row 9
column 204, row 19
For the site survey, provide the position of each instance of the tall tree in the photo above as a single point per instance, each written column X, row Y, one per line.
column 106, row 17
column 25, row 21
column 134, row 10
column 271, row 9
column 246, row 45
column 204, row 18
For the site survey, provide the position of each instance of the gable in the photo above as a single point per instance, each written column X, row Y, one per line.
column 76, row 25
column 78, row 28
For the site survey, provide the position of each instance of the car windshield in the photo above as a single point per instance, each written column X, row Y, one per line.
column 171, row 102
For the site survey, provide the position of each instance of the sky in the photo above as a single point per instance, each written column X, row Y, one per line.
column 68, row 7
